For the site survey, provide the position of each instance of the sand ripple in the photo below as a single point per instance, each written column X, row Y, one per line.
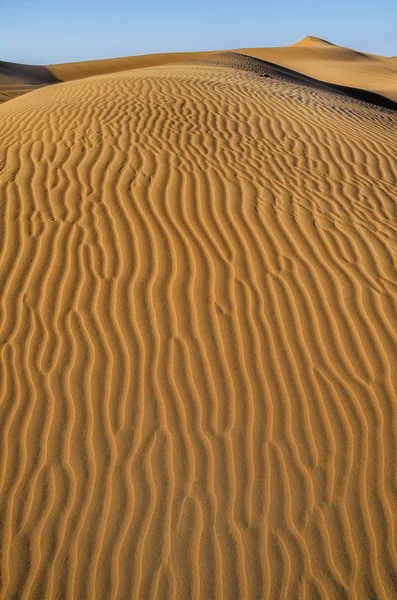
column 198, row 339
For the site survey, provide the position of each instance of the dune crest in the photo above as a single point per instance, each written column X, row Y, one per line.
column 310, row 40
column 198, row 322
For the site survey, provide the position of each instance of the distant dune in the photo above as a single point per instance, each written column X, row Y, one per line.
column 311, row 41
column 16, row 79
column 198, row 327
column 334, row 64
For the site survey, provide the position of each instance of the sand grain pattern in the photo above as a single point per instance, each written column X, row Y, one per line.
column 198, row 338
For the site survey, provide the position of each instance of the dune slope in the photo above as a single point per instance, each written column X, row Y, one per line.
column 81, row 70
column 17, row 79
column 334, row 64
column 198, row 339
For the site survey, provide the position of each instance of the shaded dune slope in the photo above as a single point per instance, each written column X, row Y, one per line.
column 17, row 79
column 198, row 339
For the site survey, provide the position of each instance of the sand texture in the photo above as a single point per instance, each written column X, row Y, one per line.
column 198, row 327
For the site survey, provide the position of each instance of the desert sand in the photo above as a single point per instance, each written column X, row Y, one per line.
column 198, row 327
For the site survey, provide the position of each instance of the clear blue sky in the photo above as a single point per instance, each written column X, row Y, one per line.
column 51, row 31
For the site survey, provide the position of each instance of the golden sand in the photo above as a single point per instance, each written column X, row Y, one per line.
column 198, row 329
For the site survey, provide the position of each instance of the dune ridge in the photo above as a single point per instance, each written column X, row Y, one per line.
column 311, row 57
column 197, row 338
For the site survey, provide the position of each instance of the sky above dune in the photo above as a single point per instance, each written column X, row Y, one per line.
column 43, row 31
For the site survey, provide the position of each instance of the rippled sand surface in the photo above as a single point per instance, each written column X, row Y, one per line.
column 198, row 327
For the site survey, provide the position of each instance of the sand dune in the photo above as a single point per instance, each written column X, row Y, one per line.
column 80, row 70
column 16, row 79
column 198, row 337
column 312, row 41
column 335, row 64
column 311, row 56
